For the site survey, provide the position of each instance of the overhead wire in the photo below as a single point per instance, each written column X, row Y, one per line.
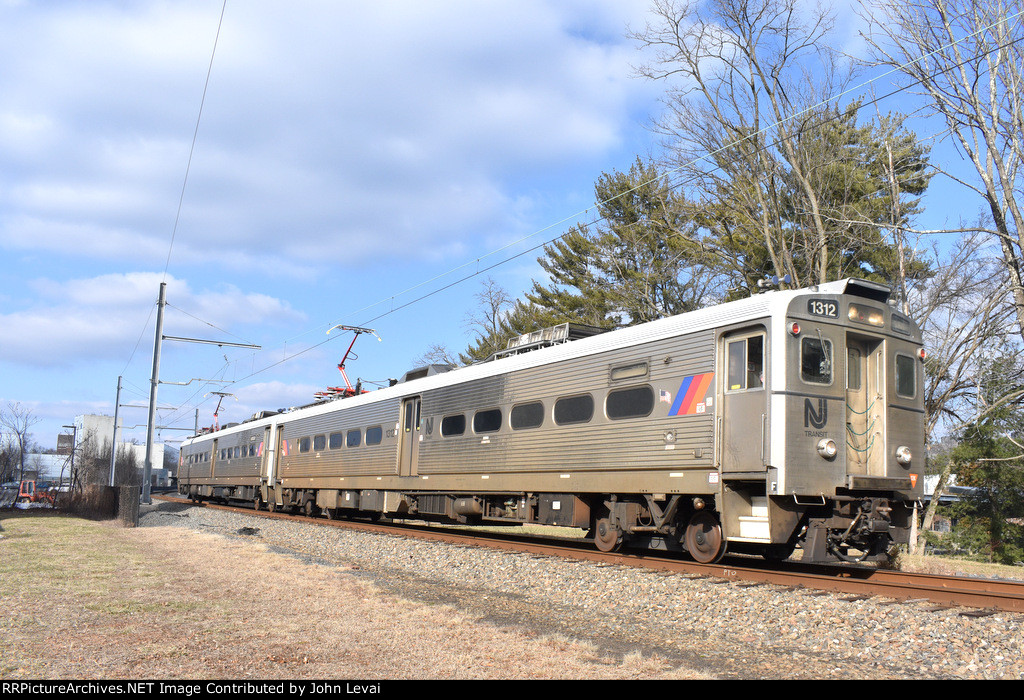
column 668, row 173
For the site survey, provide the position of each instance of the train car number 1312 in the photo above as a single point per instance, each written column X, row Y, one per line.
column 823, row 307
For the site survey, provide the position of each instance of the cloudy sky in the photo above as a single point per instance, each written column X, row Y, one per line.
column 351, row 158
column 349, row 155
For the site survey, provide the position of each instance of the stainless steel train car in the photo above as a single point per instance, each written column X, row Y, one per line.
column 789, row 419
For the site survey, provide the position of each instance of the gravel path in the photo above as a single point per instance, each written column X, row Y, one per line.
column 725, row 629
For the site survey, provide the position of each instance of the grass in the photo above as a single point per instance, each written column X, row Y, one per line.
column 89, row 600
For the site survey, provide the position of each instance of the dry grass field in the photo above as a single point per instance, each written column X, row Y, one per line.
column 91, row 600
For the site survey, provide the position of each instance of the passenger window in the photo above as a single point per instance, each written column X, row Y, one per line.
column 527, row 415
column 487, row 421
column 906, row 376
column 304, row 444
column 745, row 363
column 336, row 441
column 374, row 435
column 453, row 425
column 319, row 443
column 635, row 402
column 574, row 409
column 354, row 438
column 816, row 361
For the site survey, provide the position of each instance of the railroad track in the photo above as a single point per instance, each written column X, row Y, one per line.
column 978, row 596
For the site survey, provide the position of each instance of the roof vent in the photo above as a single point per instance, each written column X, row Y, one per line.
column 546, row 337
column 421, row 372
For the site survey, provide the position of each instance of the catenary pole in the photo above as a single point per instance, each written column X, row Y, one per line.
column 113, row 441
column 154, row 383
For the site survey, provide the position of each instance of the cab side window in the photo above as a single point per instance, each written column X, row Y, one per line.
column 745, row 363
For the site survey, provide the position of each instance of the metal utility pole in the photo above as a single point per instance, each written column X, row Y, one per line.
column 113, row 441
column 154, row 383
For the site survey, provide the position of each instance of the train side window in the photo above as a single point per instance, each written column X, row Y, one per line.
column 453, row 425
column 304, row 444
column 412, row 415
column 816, row 361
column 635, row 402
column 336, row 440
column 527, row 415
column 633, row 371
column 574, row 409
column 488, row 421
column 354, row 438
column 745, row 363
column 374, row 435
column 906, row 376
column 319, row 443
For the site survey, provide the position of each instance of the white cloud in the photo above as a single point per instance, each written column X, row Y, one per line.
column 85, row 319
column 327, row 126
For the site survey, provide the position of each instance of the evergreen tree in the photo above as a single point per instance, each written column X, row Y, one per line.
column 990, row 458
column 641, row 261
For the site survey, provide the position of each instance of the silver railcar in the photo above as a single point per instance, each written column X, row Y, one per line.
column 791, row 418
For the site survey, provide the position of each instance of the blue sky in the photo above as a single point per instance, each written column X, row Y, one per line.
column 351, row 157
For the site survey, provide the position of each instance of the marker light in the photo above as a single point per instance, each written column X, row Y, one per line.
column 827, row 448
column 922, row 354
column 794, row 328
column 903, row 455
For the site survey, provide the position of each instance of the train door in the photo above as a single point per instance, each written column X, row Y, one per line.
column 266, row 460
column 743, row 416
column 409, row 445
column 865, row 406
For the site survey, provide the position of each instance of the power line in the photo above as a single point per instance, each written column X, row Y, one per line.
column 669, row 173
column 195, row 137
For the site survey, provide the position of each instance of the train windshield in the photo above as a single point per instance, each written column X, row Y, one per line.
column 816, row 360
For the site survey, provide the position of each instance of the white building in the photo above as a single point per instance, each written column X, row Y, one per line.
column 100, row 430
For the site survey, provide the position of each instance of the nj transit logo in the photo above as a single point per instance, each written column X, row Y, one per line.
column 690, row 397
column 816, row 418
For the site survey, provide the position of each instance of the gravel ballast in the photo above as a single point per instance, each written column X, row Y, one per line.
column 724, row 629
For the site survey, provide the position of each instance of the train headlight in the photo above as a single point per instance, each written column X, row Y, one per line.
column 827, row 448
column 866, row 314
column 903, row 455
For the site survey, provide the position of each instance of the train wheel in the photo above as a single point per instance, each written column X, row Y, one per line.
column 272, row 505
column 704, row 538
column 607, row 537
column 256, row 503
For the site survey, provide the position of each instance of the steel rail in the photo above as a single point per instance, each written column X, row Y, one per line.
column 981, row 595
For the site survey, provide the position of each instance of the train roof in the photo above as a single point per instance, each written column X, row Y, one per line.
column 769, row 303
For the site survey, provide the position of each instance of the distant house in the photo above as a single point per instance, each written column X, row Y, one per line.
column 950, row 493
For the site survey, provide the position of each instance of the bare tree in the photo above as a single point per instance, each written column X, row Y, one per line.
column 18, row 420
column 780, row 172
column 966, row 316
column 966, row 58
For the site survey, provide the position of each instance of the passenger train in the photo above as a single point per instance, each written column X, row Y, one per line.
column 793, row 418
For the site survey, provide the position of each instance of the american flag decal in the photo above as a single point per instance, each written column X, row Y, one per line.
column 691, row 394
